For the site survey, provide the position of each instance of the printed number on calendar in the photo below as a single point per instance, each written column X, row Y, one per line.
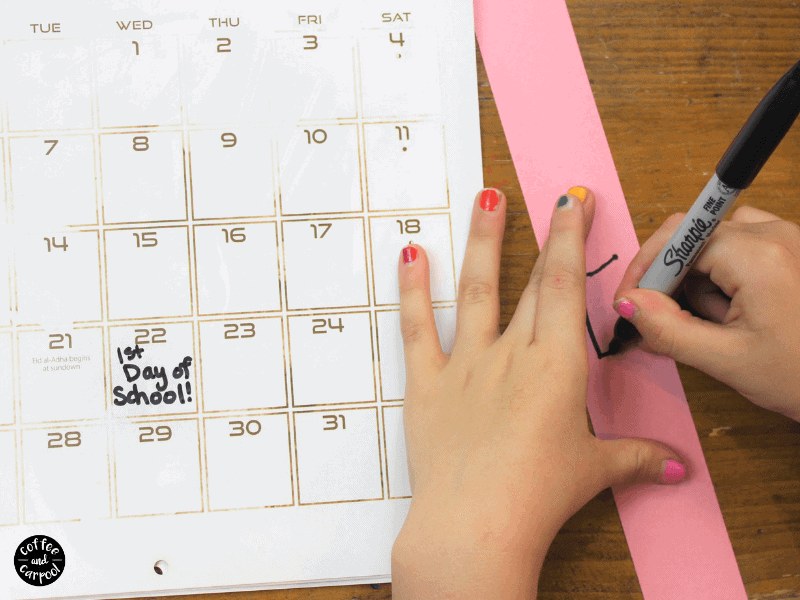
column 57, row 341
column 146, row 239
column 150, row 336
column 141, row 143
column 318, row 136
column 70, row 439
column 239, row 428
column 408, row 226
column 161, row 433
column 235, row 331
column 324, row 227
column 234, row 235
column 332, row 422
column 323, row 326
column 52, row 243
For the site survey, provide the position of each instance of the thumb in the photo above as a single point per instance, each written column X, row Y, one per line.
column 706, row 298
column 635, row 460
column 669, row 330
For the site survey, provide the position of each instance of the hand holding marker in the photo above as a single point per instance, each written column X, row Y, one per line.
column 761, row 134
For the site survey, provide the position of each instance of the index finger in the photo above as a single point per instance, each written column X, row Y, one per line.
column 647, row 254
column 421, row 346
column 731, row 239
column 561, row 306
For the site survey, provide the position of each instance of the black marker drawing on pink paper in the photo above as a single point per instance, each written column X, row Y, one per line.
column 600, row 353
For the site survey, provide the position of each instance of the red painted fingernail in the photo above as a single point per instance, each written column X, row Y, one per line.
column 673, row 472
column 409, row 254
column 489, row 200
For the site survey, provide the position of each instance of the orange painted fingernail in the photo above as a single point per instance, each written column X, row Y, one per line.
column 409, row 254
column 489, row 200
column 579, row 192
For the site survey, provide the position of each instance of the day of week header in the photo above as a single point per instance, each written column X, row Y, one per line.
column 46, row 27
column 135, row 25
column 392, row 17
column 216, row 22
column 227, row 22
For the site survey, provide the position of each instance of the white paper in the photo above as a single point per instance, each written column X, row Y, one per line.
column 200, row 354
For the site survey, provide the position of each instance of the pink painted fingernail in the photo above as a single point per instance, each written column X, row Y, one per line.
column 409, row 254
column 625, row 308
column 489, row 200
column 673, row 472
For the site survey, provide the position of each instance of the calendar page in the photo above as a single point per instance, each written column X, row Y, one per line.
column 201, row 368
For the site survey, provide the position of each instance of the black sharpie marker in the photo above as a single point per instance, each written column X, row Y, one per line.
column 737, row 169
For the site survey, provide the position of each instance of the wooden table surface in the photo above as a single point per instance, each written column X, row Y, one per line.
column 673, row 82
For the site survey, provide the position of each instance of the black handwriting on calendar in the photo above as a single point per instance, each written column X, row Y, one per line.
column 172, row 383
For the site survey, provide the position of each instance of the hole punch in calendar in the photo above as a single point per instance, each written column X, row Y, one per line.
column 200, row 351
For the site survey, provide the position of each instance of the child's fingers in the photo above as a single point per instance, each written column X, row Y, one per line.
column 478, row 312
column 521, row 327
column 423, row 351
column 647, row 254
column 731, row 255
column 751, row 214
column 560, row 320
column 705, row 297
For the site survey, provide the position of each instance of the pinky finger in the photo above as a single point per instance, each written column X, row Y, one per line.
column 423, row 351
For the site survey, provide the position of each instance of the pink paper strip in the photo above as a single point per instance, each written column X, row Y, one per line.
column 677, row 537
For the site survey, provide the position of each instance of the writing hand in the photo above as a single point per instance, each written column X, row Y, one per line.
column 746, row 285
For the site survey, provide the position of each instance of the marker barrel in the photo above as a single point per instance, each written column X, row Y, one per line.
column 685, row 245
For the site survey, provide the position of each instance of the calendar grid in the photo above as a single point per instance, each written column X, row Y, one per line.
column 368, row 250
column 370, row 234
column 17, row 477
column 11, row 426
column 370, row 271
column 3, row 151
column 403, row 493
column 100, row 224
column 200, row 420
column 282, row 290
column 188, row 190
column 102, row 268
column 51, row 137
column 378, row 494
column 291, row 499
column 284, row 294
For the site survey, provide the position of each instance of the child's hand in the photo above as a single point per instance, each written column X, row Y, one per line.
column 499, row 449
column 752, row 300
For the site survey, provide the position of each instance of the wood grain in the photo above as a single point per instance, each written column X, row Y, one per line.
column 673, row 83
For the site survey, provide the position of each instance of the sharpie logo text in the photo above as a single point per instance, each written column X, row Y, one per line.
column 684, row 252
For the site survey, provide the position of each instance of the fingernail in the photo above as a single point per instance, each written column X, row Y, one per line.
column 409, row 254
column 564, row 202
column 672, row 472
column 579, row 192
column 489, row 200
column 625, row 308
